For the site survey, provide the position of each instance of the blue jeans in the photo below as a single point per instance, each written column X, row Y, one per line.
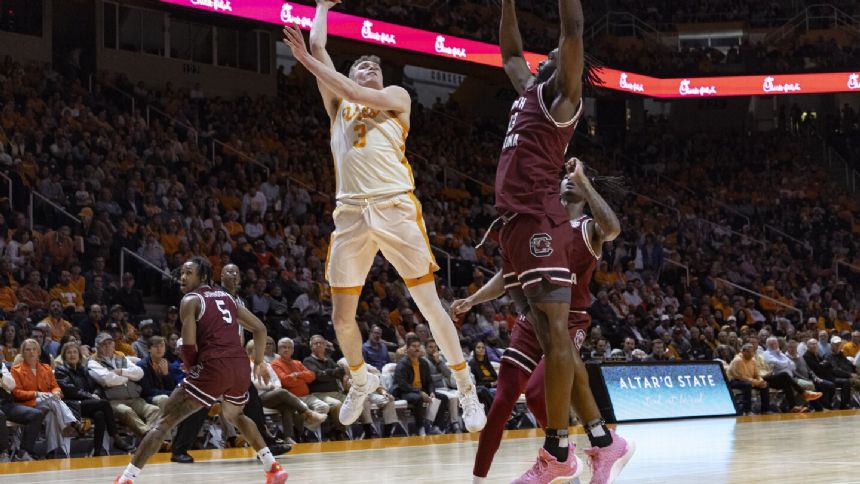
column 29, row 418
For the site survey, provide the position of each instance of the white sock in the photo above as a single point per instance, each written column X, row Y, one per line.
column 131, row 472
column 463, row 378
column 266, row 456
column 359, row 376
column 441, row 326
column 478, row 480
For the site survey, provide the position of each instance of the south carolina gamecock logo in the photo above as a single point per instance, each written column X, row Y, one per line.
column 540, row 245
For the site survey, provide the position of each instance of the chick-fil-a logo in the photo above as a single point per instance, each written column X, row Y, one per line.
column 685, row 89
column 769, row 86
column 441, row 48
column 854, row 81
column 630, row 86
column 216, row 5
column 381, row 37
column 287, row 17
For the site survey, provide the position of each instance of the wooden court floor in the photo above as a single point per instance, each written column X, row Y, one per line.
column 784, row 449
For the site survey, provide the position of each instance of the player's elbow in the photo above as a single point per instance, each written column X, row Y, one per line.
column 317, row 48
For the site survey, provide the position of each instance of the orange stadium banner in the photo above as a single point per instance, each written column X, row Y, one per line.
column 459, row 49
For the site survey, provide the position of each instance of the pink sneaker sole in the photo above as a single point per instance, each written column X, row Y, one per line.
column 576, row 473
column 618, row 466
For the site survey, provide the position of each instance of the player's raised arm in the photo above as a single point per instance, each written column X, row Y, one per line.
column 319, row 37
column 571, row 60
column 606, row 226
column 391, row 98
column 511, row 43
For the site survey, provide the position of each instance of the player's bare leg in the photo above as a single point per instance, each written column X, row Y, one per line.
column 177, row 408
column 445, row 333
column 344, row 306
column 550, row 323
column 275, row 474
column 609, row 452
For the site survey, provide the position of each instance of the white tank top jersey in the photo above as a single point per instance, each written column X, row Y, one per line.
column 369, row 150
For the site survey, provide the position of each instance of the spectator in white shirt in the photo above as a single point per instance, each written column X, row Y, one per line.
column 117, row 377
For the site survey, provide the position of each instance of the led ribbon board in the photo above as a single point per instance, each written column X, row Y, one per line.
column 387, row 34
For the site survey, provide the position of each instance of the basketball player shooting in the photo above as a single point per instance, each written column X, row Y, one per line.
column 522, row 367
column 535, row 238
column 376, row 210
column 216, row 366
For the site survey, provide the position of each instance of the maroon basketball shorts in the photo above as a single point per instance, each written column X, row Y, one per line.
column 213, row 380
column 525, row 351
column 536, row 260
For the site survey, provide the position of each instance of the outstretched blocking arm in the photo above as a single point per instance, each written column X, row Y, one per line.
column 490, row 291
column 319, row 36
column 391, row 98
column 606, row 226
column 511, row 43
column 571, row 60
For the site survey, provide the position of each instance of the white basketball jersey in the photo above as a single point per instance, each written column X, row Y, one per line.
column 369, row 149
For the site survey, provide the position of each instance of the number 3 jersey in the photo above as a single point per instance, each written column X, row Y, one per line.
column 369, row 150
column 217, row 320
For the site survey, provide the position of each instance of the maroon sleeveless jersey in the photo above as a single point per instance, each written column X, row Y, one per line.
column 532, row 159
column 583, row 262
column 217, row 320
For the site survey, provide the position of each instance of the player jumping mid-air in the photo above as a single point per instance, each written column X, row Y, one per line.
column 522, row 369
column 376, row 210
column 534, row 239
column 216, row 365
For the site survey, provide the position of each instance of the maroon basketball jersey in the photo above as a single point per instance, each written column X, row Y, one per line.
column 217, row 336
column 583, row 263
column 532, row 159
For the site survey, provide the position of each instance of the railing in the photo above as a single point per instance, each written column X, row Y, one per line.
column 34, row 194
column 624, row 24
column 152, row 266
column 750, row 291
column 11, row 195
column 682, row 266
column 225, row 148
column 171, row 119
column 448, row 257
column 123, row 94
column 813, row 17
column 763, row 243
column 661, row 204
column 460, row 174
column 802, row 243
column 846, row 264
column 841, row 169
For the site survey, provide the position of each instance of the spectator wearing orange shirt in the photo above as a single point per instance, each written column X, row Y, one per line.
column 851, row 348
column 33, row 294
column 8, row 299
column 55, row 320
column 171, row 237
column 35, row 386
column 295, row 378
column 67, row 293
column 58, row 245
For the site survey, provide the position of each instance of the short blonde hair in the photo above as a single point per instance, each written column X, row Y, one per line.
column 365, row 58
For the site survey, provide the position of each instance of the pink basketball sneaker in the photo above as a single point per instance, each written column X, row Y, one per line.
column 548, row 470
column 607, row 462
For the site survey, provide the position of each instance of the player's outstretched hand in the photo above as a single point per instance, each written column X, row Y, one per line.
column 294, row 38
column 261, row 373
column 459, row 307
column 576, row 170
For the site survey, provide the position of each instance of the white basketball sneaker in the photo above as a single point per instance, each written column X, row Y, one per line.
column 354, row 403
column 473, row 410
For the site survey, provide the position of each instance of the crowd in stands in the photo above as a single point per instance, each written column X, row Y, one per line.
column 161, row 191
